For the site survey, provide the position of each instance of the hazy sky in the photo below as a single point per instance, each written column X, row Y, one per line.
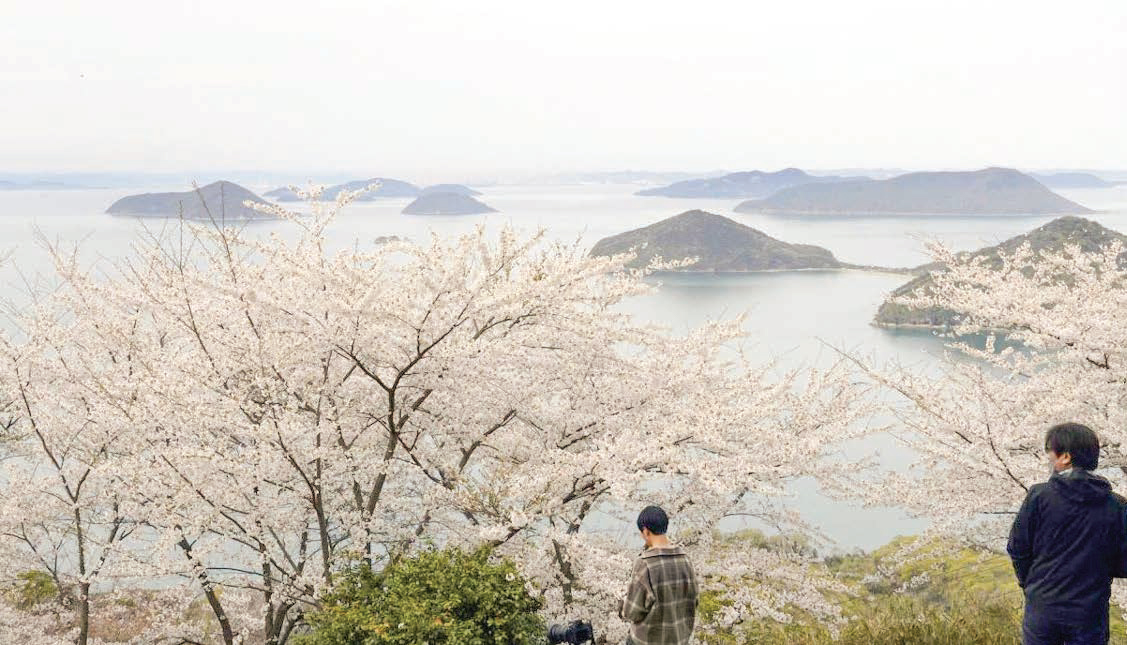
column 471, row 88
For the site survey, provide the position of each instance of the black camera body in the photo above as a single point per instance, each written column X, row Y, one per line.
column 574, row 633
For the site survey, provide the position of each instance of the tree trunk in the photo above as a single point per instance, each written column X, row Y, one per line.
column 83, row 613
column 212, row 597
column 84, row 585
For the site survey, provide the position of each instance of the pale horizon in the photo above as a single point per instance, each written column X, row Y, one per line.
column 448, row 91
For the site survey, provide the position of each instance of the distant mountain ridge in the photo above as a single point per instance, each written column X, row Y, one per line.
column 38, row 184
column 1073, row 180
column 218, row 200
column 720, row 243
column 991, row 191
column 283, row 194
column 1089, row 235
column 740, row 185
column 450, row 188
column 387, row 188
column 620, row 177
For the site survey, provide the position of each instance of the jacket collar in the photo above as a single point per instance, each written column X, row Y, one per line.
column 662, row 551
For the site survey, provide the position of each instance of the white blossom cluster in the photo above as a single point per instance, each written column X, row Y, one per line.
column 248, row 416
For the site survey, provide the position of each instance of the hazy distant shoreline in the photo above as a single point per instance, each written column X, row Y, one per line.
column 851, row 268
column 902, row 215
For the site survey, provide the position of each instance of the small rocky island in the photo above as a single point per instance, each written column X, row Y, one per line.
column 1089, row 235
column 388, row 188
column 446, row 204
column 740, row 185
column 992, row 191
column 720, row 244
column 221, row 200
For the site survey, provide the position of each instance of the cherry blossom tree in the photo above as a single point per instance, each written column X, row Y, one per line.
column 62, row 509
column 280, row 410
column 1040, row 340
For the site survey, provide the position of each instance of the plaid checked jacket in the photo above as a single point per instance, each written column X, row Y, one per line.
column 661, row 601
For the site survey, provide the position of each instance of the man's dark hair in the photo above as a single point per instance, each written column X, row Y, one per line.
column 1077, row 440
column 654, row 519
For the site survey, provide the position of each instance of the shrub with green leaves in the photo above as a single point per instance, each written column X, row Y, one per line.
column 437, row 597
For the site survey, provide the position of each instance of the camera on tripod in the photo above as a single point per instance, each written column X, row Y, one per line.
column 574, row 633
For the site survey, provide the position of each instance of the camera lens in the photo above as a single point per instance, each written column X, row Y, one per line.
column 573, row 634
column 557, row 634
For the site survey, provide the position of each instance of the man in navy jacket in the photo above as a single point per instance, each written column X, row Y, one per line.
column 1067, row 542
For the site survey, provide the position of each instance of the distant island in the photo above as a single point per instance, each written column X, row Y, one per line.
column 388, row 188
column 740, row 185
column 1074, row 180
column 450, row 188
column 221, row 200
column 446, row 204
column 992, row 191
column 388, row 239
column 1089, row 235
column 720, row 244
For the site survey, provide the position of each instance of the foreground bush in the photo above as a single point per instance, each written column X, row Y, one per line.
column 435, row 597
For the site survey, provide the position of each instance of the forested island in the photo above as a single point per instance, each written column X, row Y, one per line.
column 1090, row 236
column 719, row 244
column 220, row 200
column 442, row 203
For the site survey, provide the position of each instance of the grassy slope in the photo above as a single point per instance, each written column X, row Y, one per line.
column 967, row 596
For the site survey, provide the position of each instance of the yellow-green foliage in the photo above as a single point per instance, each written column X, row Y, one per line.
column 968, row 596
column 944, row 575
column 35, row 587
column 902, row 621
column 791, row 543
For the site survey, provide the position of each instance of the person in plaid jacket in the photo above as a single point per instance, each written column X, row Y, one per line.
column 661, row 600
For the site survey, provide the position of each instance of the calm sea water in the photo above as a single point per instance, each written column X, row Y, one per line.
column 792, row 316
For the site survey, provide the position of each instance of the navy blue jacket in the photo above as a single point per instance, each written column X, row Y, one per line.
column 1067, row 542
